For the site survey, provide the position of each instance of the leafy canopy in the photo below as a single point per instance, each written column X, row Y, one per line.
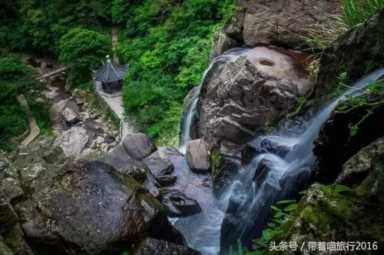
column 167, row 44
column 81, row 51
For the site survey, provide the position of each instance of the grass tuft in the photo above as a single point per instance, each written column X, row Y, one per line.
column 357, row 11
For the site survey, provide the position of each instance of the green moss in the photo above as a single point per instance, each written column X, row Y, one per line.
column 371, row 99
column 216, row 161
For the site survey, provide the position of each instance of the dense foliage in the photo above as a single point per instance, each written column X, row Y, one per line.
column 357, row 11
column 37, row 25
column 167, row 45
column 16, row 78
column 81, row 50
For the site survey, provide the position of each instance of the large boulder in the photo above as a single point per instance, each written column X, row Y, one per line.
column 280, row 22
column 160, row 247
column 197, row 156
column 339, row 212
column 73, row 141
column 88, row 209
column 356, row 53
column 62, row 206
column 161, row 169
column 247, row 89
column 138, row 145
column 361, row 164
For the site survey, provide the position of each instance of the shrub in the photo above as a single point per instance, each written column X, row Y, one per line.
column 357, row 11
column 167, row 45
column 15, row 78
column 82, row 50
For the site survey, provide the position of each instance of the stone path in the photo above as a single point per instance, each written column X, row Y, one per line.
column 34, row 130
column 115, row 103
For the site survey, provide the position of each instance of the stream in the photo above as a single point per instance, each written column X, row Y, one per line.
column 281, row 168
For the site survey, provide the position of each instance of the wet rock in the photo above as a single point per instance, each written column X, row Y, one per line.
column 178, row 204
column 356, row 53
column 281, row 22
column 120, row 160
column 262, row 172
column 360, row 165
column 244, row 91
column 161, row 169
column 274, row 147
column 73, row 141
column 224, row 168
column 158, row 166
column 138, row 145
column 197, row 156
column 350, row 128
column 188, row 123
column 160, row 247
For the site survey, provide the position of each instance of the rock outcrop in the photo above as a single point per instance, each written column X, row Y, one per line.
column 246, row 90
column 160, row 247
column 336, row 212
column 198, row 156
column 50, row 204
column 285, row 23
column 360, row 165
column 354, row 124
column 356, row 53
column 138, row 145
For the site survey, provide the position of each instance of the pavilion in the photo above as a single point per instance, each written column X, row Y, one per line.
column 111, row 75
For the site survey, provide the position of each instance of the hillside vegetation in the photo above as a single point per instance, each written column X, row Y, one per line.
column 167, row 45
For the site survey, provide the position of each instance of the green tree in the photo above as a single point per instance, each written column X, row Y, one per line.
column 82, row 50
column 15, row 78
column 167, row 44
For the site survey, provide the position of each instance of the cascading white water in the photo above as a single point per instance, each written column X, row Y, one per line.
column 188, row 118
column 190, row 112
column 250, row 199
column 287, row 158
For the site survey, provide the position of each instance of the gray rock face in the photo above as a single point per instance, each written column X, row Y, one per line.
column 73, row 141
column 160, row 247
column 178, row 204
column 89, row 209
column 70, row 116
column 138, row 145
column 360, row 165
column 247, row 91
column 357, row 53
column 221, row 43
column 197, row 156
column 282, row 22
column 161, row 169
column 121, row 161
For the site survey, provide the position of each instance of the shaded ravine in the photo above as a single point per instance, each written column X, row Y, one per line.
column 282, row 167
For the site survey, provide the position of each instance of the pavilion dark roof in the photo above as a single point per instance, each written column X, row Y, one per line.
column 111, row 72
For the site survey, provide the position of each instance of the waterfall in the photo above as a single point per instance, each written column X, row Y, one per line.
column 189, row 115
column 188, row 119
column 282, row 167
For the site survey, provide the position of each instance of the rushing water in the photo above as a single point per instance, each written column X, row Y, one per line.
column 191, row 106
column 281, row 167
